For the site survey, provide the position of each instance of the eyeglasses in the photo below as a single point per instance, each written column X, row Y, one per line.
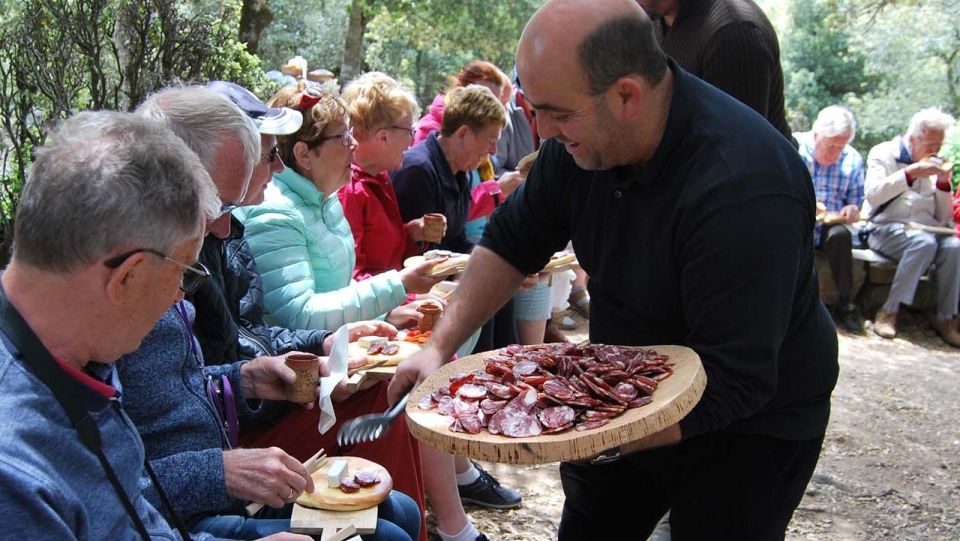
column 410, row 131
column 344, row 137
column 193, row 276
column 225, row 209
column 270, row 156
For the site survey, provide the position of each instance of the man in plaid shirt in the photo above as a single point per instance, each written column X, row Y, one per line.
column 837, row 172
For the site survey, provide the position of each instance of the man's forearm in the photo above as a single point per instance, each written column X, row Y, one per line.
column 487, row 284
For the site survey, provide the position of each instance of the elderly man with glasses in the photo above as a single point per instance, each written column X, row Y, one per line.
column 908, row 188
column 113, row 213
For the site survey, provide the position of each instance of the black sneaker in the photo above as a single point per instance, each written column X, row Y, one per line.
column 482, row 537
column 487, row 492
column 849, row 320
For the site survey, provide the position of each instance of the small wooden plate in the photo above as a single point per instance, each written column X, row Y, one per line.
column 406, row 349
column 334, row 499
column 673, row 399
column 450, row 266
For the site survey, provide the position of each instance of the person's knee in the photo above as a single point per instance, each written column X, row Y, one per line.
column 840, row 236
column 922, row 247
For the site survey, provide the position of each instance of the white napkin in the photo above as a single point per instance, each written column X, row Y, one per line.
column 338, row 370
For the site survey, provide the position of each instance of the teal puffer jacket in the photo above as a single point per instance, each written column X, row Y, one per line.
column 305, row 253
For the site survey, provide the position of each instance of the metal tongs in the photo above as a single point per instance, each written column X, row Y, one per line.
column 370, row 427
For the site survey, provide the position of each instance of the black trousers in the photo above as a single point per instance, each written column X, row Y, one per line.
column 836, row 243
column 717, row 486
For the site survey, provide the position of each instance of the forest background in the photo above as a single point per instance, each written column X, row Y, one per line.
column 884, row 59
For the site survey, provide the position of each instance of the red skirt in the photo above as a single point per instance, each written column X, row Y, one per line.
column 296, row 433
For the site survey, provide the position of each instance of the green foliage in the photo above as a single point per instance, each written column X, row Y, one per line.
column 951, row 151
column 58, row 57
column 419, row 42
column 313, row 29
column 821, row 63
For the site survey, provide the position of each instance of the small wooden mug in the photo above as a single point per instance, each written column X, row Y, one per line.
column 307, row 368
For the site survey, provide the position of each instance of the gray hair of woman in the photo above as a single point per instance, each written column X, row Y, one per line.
column 204, row 120
column 835, row 120
column 107, row 180
column 929, row 119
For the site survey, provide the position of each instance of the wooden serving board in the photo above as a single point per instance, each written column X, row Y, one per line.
column 318, row 521
column 450, row 266
column 334, row 499
column 406, row 349
column 673, row 399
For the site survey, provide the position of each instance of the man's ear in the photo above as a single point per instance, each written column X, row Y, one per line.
column 125, row 282
column 628, row 95
column 461, row 133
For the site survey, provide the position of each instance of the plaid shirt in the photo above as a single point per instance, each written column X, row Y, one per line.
column 836, row 185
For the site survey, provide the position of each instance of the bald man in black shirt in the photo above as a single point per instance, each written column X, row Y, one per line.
column 694, row 219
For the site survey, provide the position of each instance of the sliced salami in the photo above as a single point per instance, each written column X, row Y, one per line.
column 349, row 486
column 472, row 391
column 366, row 479
column 556, row 417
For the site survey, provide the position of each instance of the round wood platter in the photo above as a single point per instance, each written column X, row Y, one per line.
column 334, row 499
column 406, row 349
column 673, row 399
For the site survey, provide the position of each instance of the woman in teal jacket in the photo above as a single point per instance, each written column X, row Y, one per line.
column 302, row 242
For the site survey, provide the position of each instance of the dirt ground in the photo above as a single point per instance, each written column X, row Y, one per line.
column 889, row 465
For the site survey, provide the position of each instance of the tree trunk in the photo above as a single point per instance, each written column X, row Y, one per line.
column 353, row 46
column 255, row 16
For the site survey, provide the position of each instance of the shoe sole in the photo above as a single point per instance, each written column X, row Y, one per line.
column 490, row 505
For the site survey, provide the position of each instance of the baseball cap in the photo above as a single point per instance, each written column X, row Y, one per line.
column 269, row 120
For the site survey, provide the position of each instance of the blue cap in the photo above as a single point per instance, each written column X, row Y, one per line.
column 269, row 120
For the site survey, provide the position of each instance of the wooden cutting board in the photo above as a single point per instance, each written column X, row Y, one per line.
column 673, row 399
column 406, row 349
column 334, row 499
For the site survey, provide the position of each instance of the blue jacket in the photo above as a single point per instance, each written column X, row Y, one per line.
column 425, row 183
column 53, row 487
column 305, row 253
column 165, row 396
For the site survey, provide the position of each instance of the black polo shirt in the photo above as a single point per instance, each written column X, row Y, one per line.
column 708, row 245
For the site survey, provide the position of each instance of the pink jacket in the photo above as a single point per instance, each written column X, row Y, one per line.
column 430, row 121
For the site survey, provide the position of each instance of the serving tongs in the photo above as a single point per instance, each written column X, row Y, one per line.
column 370, row 427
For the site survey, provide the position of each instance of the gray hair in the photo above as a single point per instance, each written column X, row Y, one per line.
column 108, row 180
column 929, row 119
column 205, row 120
column 622, row 46
column 834, row 121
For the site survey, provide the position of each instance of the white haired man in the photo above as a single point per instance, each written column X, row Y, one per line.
column 107, row 233
column 907, row 183
column 837, row 172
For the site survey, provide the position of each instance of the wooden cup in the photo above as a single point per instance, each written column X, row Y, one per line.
column 307, row 368
column 433, row 227
column 431, row 313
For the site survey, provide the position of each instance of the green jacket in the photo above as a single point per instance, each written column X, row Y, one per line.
column 305, row 253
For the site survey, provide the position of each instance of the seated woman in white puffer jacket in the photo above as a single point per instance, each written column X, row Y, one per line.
column 302, row 242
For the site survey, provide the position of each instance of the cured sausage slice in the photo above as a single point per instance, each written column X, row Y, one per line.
column 366, row 479
column 349, row 485
column 556, row 417
column 471, row 391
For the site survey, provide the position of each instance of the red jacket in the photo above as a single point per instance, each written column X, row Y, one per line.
column 956, row 211
column 380, row 238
